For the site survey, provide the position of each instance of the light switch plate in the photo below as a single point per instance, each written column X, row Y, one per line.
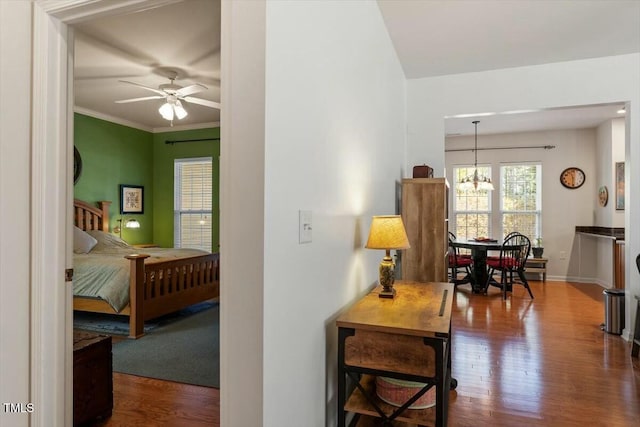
column 306, row 225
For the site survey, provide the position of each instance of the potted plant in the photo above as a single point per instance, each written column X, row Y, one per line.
column 538, row 249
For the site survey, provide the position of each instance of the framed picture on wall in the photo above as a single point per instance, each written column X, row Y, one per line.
column 619, row 186
column 131, row 199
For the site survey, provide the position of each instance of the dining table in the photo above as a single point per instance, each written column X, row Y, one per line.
column 479, row 249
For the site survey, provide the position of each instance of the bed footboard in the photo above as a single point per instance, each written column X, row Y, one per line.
column 161, row 287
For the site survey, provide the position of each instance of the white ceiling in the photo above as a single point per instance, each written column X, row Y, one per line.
column 142, row 48
column 431, row 37
column 439, row 37
column 581, row 117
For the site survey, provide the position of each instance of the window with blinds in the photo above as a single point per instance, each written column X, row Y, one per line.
column 193, row 193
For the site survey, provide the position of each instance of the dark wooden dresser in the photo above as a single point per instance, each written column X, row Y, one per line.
column 92, row 377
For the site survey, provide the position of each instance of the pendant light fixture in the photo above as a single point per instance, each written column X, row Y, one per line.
column 475, row 181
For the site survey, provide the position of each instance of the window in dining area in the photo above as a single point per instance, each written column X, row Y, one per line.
column 521, row 199
column 471, row 209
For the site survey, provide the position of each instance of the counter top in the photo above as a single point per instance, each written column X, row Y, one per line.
column 616, row 233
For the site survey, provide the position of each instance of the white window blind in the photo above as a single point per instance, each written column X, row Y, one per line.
column 193, row 194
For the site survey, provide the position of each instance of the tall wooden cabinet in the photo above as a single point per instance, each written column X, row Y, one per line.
column 425, row 217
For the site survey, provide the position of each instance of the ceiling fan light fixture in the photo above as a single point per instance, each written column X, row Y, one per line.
column 181, row 113
column 173, row 94
column 166, row 110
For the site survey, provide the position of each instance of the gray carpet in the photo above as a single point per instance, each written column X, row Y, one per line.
column 185, row 350
column 119, row 325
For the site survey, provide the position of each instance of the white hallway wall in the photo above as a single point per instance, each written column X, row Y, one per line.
column 334, row 146
column 15, row 105
column 241, row 212
column 333, row 143
column 610, row 149
column 586, row 82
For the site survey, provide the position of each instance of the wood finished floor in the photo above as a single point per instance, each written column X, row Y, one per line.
column 519, row 362
column 541, row 362
column 149, row 402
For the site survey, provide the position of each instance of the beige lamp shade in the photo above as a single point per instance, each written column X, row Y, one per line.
column 387, row 232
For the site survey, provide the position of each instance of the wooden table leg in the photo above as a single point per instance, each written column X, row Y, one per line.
column 479, row 276
column 635, row 347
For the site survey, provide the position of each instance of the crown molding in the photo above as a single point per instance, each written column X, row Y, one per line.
column 74, row 11
column 112, row 119
column 123, row 122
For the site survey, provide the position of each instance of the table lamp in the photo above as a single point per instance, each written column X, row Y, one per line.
column 387, row 232
column 130, row 223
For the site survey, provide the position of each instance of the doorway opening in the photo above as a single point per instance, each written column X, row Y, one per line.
column 129, row 149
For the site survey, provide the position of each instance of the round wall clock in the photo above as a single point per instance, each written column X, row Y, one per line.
column 572, row 177
column 603, row 196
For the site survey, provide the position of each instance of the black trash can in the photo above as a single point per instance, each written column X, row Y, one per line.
column 613, row 311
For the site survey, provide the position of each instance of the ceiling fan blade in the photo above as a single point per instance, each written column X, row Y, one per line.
column 201, row 101
column 158, row 91
column 188, row 90
column 145, row 98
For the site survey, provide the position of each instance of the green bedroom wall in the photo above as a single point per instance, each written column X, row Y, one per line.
column 113, row 154
column 163, row 160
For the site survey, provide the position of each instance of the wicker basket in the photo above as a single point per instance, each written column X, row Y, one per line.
column 396, row 392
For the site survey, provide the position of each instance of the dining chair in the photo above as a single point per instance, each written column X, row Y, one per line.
column 496, row 257
column 460, row 254
column 510, row 264
column 635, row 346
column 458, row 261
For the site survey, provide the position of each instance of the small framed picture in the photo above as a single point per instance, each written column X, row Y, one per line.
column 620, row 186
column 131, row 199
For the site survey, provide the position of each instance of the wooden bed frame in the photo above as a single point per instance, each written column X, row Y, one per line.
column 155, row 287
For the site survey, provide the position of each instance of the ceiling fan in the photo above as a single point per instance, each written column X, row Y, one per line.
column 173, row 94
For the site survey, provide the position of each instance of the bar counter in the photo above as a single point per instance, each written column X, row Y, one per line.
column 616, row 233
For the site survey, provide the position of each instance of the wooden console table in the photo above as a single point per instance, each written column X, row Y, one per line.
column 408, row 338
column 537, row 265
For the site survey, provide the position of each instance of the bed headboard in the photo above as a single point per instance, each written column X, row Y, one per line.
column 88, row 217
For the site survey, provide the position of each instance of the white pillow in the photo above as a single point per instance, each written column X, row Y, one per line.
column 106, row 241
column 82, row 242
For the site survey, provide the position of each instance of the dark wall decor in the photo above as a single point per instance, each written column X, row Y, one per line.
column 77, row 164
column 131, row 199
column 603, row 195
column 620, row 186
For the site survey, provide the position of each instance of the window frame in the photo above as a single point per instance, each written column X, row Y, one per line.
column 178, row 197
column 538, row 211
column 455, row 212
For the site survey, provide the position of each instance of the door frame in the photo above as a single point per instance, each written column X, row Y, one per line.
column 51, row 353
